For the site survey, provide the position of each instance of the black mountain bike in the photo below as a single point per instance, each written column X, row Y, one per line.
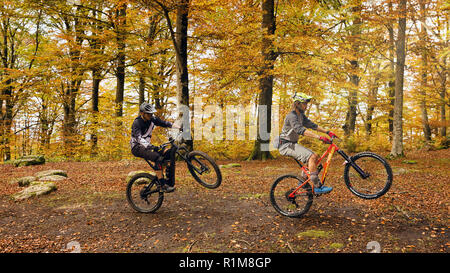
column 144, row 191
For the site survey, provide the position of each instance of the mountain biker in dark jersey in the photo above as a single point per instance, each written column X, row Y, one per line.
column 295, row 124
column 141, row 133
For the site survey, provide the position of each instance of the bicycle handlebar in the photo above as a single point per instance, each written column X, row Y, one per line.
column 172, row 139
column 335, row 137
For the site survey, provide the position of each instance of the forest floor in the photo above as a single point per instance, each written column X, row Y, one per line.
column 90, row 207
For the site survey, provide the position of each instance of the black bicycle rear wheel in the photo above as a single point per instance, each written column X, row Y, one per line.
column 143, row 193
column 378, row 172
column 204, row 169
column 287, row 199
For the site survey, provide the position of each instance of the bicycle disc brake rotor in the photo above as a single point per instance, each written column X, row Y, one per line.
column 145, row 192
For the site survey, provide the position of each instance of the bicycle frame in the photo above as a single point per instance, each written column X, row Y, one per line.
column 330, row 152
column 182, row 155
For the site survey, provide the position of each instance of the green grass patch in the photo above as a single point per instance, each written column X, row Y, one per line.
column 315, row 233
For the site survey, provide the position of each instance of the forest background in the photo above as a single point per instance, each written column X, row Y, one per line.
column 73, row 73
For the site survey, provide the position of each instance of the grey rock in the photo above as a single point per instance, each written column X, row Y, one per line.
column 35, row 189
column 41, row 174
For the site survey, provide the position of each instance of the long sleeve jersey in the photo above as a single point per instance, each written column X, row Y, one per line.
column 295, row 125
column 141, row 130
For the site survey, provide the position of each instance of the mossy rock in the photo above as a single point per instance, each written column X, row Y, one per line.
column 29, row 160
column 42, row 174
column 231, row 165
column 133, row 173
column 23, row 181
column 52, row 178
column 35, row 189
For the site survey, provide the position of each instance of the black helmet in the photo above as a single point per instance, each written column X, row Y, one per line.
column 147, row 108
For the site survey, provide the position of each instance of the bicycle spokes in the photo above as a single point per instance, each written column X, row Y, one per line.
column 291, row 196
column 199, row 166
column 370, row 176
column 204, row 169
column 143, row 193
column 148, row 190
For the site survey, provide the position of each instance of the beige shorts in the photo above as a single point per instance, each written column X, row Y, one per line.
column 296, row 151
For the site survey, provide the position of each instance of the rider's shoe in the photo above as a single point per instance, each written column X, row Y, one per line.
column 322, row 189
column 166, row 188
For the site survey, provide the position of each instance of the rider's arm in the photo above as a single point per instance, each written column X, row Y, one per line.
column 321, row 129
column 159, row 122
column 296, row 123
column 314, row 135
column 326, row 131
column 308, row 123
column 310, row 133
column 174, row 126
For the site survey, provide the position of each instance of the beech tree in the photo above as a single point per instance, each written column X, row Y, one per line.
column 268, row 25
column 65, row 64
column 397, row 139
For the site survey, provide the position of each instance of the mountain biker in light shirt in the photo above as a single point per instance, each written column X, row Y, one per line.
column 141, row 133
column 296, row 124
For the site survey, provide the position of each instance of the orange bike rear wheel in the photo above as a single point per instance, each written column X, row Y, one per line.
column 288, row 199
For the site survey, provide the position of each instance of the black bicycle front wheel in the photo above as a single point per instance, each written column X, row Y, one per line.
column 377, row 179
column 204, row 169
column 288, row 199
column 143, row 193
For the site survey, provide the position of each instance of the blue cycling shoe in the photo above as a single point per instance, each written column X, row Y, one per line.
column 322, row 190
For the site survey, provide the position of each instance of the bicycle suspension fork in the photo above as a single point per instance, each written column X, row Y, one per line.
column 348, row 160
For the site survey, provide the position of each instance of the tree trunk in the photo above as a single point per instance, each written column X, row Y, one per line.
column 75, row 29
column 350, row 125
column 69, row 123
column 350, row 121
column 181, row 40
column 141, row 89
column 120, row 74
column 98, row 49
column 372, row 101
column 391, row 83
column 8, row 57
column 442, row 94
column 46, row 124
column 397, row 140
column 6, row 120
column 423, row 83
column 96, row 79
column 261, row 147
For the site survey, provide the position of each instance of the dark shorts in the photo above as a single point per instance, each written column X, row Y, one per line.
column 146, row 153
column 149, row 154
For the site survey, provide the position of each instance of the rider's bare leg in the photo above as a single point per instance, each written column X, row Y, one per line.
column 312, row 163
column 312, row 166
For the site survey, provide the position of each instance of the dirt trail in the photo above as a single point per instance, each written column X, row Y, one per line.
column 90, row 209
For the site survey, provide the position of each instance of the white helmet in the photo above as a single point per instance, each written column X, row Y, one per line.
column 147, row 108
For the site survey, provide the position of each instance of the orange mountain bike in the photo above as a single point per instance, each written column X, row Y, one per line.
column 366, row 174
